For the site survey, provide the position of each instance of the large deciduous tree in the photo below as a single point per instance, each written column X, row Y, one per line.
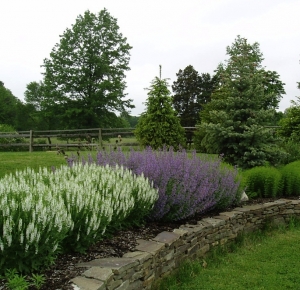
column 190, row 92
column 85, row 74
column 234, row 122
column 159, row 126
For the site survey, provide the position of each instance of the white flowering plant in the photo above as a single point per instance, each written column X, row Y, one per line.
column 33, row 221
column 65, row 209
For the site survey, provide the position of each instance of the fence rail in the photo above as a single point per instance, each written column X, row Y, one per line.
column 80, row 138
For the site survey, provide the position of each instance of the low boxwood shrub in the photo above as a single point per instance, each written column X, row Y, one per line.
column 290, row 181
column 65, row 209
column 186, row 186
column 262, row 181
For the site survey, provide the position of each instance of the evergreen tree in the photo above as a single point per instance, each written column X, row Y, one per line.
column 233, row 123
column 158, row 125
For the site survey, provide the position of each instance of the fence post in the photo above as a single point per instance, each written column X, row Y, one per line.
column 30, row 141
column 100, row 137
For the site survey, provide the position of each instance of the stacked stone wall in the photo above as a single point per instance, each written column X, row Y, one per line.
column 158, row 257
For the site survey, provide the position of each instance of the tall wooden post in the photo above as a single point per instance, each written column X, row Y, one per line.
column 30, row 141
column 100, row 137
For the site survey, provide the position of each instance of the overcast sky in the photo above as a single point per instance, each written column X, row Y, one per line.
column 171, row 33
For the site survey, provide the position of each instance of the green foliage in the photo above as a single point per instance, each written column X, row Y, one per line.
column 233, row 123
column 15, row 281
column 44, row 114
column 131, row 120
column 4, row 128
column 191, row 92
column 262, row 182
column 8, row 108
column 159, row 125
column 37, row 280
column 84, row 76
column 290, row 181
column 291, row 151
column 290, row 123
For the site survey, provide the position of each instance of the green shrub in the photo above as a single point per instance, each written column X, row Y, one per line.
column 7, row 141
column 262, row 181
column 290, row 181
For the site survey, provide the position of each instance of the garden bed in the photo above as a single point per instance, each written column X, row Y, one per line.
column 59, row 275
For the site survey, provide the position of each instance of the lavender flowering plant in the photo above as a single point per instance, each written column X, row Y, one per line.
column 186, row 186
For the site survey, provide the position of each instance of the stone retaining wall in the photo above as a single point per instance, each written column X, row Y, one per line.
column 158, row 257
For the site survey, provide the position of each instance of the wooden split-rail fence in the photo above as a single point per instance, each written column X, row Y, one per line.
column 77, row 138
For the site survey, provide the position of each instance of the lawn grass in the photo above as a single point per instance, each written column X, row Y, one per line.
column 268, row 260
column 12, row 161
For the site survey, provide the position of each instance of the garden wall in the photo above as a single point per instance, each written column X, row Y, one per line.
column 158, row 257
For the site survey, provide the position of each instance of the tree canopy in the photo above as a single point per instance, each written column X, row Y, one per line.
column 191, row 92
column 84, row 78
column 290, row 123
column 233, row 123
column 158, row 125
column 9, row 107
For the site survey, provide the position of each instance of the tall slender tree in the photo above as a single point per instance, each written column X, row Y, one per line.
column 159, row 125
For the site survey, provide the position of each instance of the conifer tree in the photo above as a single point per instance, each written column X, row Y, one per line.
column 234, row 122
column 159, row 126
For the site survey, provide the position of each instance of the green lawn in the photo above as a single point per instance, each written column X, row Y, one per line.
column 11, row 161
column 266, row 261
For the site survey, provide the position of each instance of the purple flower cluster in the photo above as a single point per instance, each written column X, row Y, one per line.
column 187, row 185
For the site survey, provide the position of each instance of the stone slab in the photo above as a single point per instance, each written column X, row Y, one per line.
column 117, row 265
column 214, row 222
column 151, row 247
column 139, row 256
column 168, row 238
column 88, row 284
column 231, row 214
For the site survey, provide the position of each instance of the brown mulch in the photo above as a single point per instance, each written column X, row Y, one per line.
column 58, row 276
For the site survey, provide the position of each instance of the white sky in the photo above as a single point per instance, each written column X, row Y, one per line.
column 171, row 33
